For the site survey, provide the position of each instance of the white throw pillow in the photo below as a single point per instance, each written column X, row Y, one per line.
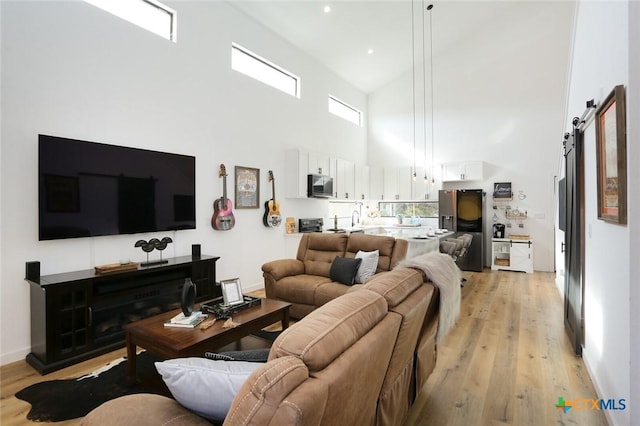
column 205, row 386
column 368, row 265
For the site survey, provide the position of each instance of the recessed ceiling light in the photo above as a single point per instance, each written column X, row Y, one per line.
column 370, row 51
column 327, row 9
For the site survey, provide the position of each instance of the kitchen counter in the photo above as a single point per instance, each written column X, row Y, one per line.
column 417, row 236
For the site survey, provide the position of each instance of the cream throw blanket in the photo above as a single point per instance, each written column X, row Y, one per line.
column 445, row 274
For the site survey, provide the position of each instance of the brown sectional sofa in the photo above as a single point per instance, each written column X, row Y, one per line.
column 358, row 359
column 304, row 281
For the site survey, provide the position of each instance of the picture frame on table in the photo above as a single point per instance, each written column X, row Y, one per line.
column 231, row 292
column 247, row 187
column 611, row 157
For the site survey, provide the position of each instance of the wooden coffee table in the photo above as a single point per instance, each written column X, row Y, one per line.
column 169, row 342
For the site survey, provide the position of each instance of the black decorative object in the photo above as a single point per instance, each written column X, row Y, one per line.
column 32, row 271
column 196, row 251
column 149, row 246
column 161, row 245
column 188, row 297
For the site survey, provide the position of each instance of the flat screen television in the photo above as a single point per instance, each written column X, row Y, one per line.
column 89, row 189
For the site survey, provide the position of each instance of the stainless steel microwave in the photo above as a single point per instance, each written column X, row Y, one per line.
column 319, row 186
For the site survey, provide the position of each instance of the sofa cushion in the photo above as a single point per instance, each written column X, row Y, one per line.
column 326, row 292
column 384, row 245
column 368, row 266
column 299, row 288
column 317, row 251
column 205, row 386
column 331, row 329
column 344, row 270
column 396, row 285
column 142, row 409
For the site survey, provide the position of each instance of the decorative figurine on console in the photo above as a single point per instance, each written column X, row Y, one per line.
column 149, row 246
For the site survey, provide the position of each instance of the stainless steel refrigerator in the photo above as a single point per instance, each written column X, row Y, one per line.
column 460, row 211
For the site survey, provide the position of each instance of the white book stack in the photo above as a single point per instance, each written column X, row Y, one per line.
column 183, row 321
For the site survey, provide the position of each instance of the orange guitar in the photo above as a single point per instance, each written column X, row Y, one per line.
column 223, row 218
column 272, row 216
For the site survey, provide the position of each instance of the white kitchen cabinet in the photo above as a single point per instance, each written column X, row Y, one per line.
column 296, row 171
column 344, row 180
column 405, row 183
column 397, row 183
column 471, row 170
column 299, row 164
column 424, row 190
column 376, row 183
column 361, row 182
column 512, row 255
column 319, row 164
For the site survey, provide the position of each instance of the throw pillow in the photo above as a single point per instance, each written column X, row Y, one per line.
column 344, row 270
column 368, row 266
column 204, row 386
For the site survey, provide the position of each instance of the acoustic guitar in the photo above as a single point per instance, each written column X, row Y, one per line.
column 272, row 216
column 223, row 218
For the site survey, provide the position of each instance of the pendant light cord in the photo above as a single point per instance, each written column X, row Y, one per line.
column 413, row 71
column 424, row 93
column 429, row 8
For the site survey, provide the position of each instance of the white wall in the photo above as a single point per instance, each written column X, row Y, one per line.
column 72, row 70
column 633, row 151
column 600, row 62
column 496, row 101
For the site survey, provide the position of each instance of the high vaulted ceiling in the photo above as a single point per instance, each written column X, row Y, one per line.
column 342, row 37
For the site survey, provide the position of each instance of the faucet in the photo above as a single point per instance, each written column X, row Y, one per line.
column 355, row 218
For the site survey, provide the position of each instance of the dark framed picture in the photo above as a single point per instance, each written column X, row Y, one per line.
column 62, row 194
column 247, row 187
column 611, row 157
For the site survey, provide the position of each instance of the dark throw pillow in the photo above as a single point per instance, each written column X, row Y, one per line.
column 344, row 270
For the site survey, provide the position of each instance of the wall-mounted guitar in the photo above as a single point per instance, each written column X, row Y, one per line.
column 272, row 216
column 222, row 219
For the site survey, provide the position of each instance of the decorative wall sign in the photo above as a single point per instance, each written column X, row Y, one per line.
column 247, row 184
column 611, row 157
column 502, row 190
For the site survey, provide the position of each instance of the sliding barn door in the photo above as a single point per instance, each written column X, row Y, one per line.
column 573, row 284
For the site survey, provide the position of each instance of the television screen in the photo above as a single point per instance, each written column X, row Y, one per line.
column 89, row 189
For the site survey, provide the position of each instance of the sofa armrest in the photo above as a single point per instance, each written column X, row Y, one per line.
column 276, row 270
column 281, row 268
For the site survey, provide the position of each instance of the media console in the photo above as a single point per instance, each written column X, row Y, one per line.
column 79, row 315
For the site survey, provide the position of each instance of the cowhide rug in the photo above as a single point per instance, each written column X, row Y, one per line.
column 58, row 400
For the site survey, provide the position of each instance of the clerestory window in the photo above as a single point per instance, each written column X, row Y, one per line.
column 261, row 69
column 148, row 14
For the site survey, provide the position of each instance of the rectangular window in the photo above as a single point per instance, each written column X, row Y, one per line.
column 410, row 209
column 248, row 63
column 148, row 14
column 344, row 110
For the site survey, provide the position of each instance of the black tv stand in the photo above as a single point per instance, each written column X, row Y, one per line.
column 79, row 315
column 153, row 263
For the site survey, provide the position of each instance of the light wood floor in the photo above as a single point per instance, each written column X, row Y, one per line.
column 508, row 359
column 506, row 363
